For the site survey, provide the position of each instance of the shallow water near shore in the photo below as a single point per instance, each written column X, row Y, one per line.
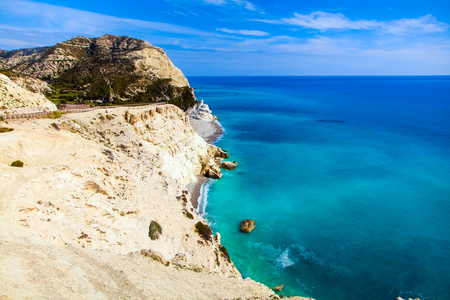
column 346, row 177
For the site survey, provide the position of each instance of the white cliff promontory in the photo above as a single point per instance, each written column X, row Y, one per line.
column 201, row 111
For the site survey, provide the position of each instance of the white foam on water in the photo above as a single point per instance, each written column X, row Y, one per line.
column 283, row 260
column 203, row 198
column 221, row 136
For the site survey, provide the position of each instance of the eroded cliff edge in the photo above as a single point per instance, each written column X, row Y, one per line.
column 91, row 185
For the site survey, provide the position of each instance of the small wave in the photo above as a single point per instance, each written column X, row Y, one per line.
column 279, row 256
column 203, row 198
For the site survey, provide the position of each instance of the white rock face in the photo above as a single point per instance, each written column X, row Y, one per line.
column 16, row 99
column 153, row 61
column 100, row 180
column 201, row 111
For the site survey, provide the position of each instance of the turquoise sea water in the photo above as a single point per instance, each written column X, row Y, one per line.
column 348, row 179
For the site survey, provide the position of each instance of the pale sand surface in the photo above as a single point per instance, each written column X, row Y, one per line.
column 208, row 130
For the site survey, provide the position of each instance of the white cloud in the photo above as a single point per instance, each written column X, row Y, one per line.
column 244, row 3
column 425, row 24
column 247, row 4
column 244, row 32
column 336, row 21
column 324, row 21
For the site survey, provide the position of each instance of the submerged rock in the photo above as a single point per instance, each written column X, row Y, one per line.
column 278, row 287
column 247, row 226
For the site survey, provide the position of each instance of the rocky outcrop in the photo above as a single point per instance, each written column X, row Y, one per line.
column 30, row 83
column 248, row 226
column 201, row 111
column 16, row 99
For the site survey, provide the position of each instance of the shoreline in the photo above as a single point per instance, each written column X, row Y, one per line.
column 211, row 132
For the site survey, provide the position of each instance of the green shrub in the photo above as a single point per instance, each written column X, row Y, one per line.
column 54, row 115
column 224, row 253
column 188, row 214
column 17, row 163
column 5, row 129
column 204, row 231
column 154, row 230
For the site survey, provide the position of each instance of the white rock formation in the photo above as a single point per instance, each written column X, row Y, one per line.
column 16, row 99
column 201, row 111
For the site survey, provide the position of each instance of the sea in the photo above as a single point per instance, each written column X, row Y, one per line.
column 347, row 178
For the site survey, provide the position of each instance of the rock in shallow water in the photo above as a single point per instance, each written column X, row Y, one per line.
column 278, row 287
column 247, row 226
column 228, row 165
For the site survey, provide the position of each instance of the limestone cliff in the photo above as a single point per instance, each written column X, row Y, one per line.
column 104, row 176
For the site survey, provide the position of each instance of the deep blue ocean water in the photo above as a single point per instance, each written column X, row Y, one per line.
column 347, row 178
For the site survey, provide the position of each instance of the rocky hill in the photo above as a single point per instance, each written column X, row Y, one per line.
column 111, row 68
column 18, row 99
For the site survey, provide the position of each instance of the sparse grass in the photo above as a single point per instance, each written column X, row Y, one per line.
column 17, row 163
column 188, row 214
column 224, row 253
column 204, row 231
column 54, row 115
column 154, row 230
column 5, row 129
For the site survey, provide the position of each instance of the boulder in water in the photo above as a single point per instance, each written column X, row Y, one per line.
column 247, row 226
column 228, row 165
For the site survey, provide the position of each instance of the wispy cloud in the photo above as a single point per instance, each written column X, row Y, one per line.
column 247, row 4
column 425, row 24
column 325, row 21
column 244, row 32
column 241, row 3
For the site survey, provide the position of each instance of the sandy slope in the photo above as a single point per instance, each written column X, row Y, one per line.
column 34, row 270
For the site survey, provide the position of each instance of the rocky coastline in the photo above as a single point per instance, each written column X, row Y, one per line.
column 102, row 204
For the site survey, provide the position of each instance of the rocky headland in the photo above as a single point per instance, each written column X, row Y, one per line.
column 102, row 204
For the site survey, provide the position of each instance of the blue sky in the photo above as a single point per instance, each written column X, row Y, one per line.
column 256, row 37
